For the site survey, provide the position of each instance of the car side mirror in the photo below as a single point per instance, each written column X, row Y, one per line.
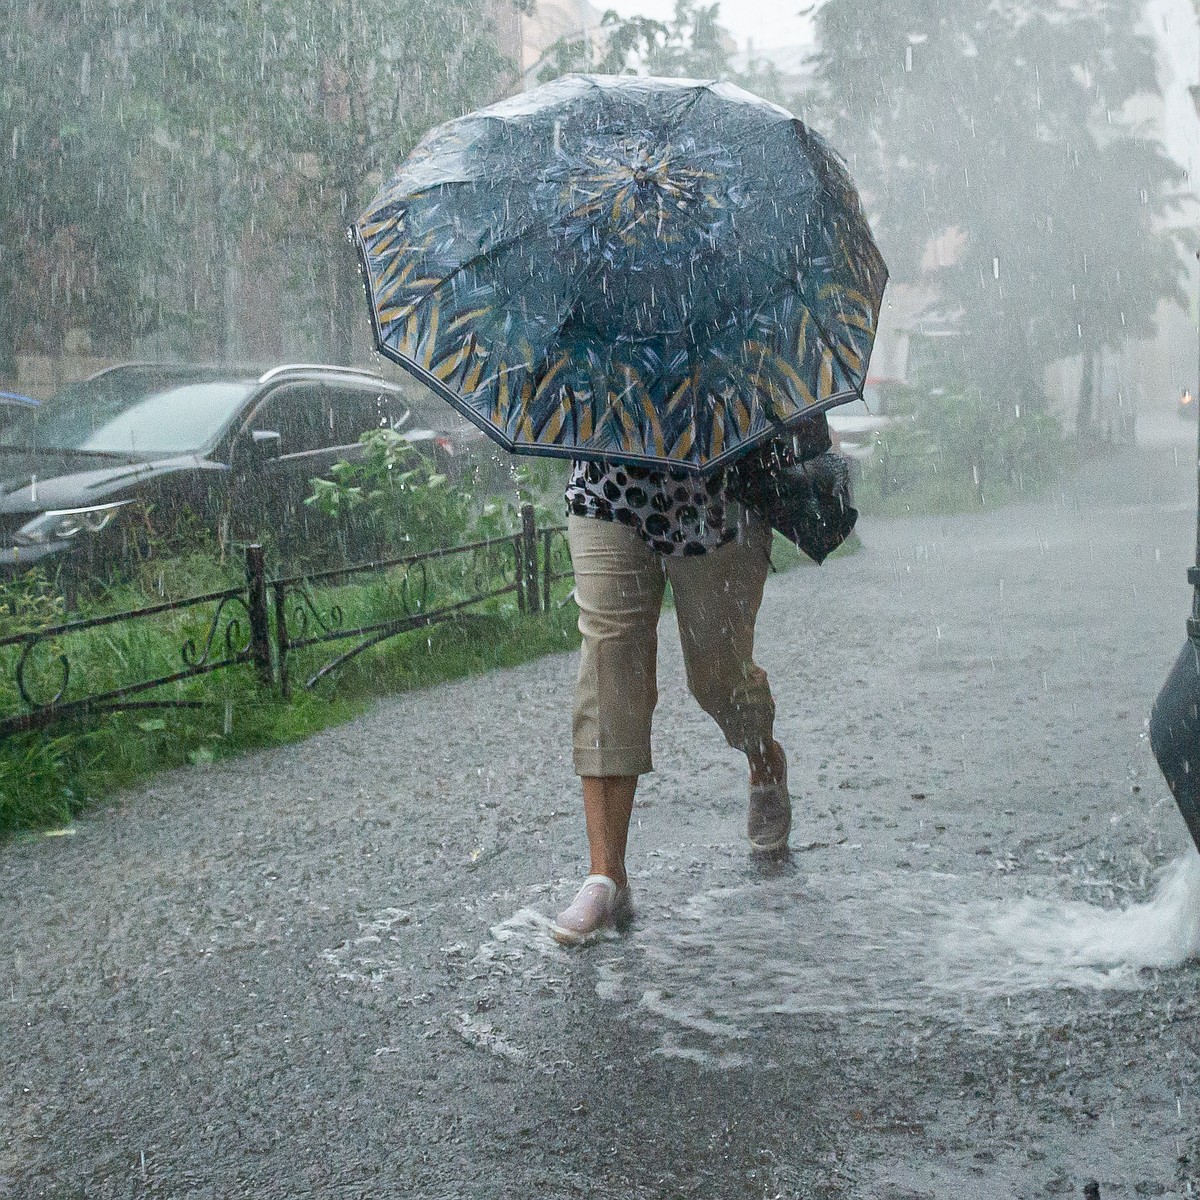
column 266, row 445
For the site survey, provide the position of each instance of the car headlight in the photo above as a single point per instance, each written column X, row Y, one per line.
column 60, row 524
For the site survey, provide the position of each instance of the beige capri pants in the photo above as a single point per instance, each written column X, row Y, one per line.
column 619, row 585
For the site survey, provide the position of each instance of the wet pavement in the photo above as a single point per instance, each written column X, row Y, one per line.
column 324, row 971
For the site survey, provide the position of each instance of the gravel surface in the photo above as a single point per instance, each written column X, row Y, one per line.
column 324, row 970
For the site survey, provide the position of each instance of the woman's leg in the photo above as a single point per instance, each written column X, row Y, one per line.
column 717, row 597
column 619, row 587
column 768, row 764
column 607, row 808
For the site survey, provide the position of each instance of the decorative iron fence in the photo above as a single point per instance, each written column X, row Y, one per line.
column 266, row 622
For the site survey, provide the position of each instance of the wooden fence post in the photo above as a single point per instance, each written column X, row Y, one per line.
column 260, row 621
column 530, row 564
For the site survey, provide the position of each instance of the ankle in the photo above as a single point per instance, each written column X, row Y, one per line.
column 769, row 766
column 613, row 871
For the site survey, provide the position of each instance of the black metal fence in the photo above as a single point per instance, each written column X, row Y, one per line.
column 263, row 624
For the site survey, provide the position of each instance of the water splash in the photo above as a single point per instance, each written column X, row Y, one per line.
column 710, row 970
column 893, row 947
column 1042, row 943
column 526, row 929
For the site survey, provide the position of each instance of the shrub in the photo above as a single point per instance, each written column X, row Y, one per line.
column 30, row 601
column 393, row 502
column 950, row 446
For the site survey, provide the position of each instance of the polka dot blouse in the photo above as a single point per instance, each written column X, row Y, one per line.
column 673, row 511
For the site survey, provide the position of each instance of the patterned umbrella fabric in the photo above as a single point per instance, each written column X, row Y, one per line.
column 627, row 269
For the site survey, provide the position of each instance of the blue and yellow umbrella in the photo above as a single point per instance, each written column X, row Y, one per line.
column 618, row 268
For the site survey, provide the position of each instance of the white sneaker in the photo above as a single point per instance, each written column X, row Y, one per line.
column 597, row 907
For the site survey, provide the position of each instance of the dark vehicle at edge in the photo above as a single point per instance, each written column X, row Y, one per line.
column 141, row 448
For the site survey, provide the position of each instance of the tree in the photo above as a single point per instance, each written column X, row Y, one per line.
column 692, row 44
column 74, row 247
column 150, row 144
column 1004, row 121
column 298, row 108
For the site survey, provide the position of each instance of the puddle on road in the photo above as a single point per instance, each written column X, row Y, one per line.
column 880, row 945
column 879, row 948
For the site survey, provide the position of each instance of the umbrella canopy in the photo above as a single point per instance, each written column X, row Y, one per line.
column 624, row 268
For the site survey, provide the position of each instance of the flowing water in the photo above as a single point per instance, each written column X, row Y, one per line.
column 880, row 948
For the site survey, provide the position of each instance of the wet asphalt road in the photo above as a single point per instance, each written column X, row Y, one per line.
column 321, row 971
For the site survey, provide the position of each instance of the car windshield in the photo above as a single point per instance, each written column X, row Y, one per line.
column 139, row 414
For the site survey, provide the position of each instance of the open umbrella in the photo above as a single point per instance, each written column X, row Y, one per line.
column 1175, row 719
column 663, row 271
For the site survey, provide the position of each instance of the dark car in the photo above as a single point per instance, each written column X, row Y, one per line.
column 144, row 447
column 16, row 400
column 11, row 403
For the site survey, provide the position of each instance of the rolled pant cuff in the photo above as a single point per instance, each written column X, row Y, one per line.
column 594, row 763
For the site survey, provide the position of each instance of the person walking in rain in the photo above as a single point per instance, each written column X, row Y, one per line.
column 673, row 273
column 632, row 530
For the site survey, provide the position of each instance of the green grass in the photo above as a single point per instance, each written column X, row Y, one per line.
column 49, row 777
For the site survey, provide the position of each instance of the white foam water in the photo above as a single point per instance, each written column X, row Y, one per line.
column 881, row 947
column 1038, row 943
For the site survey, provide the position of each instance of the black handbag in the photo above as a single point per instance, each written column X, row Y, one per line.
column 801, row 486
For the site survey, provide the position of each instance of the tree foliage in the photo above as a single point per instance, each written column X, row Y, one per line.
column 691, row 45
column 72, row 244
column 1010, row 124
column 151, row 143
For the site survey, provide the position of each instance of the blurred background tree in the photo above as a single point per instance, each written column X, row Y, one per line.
column 296, row 108
column 74, row 244
column 691, row 45
column 1011, row 128
column 161, row 156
